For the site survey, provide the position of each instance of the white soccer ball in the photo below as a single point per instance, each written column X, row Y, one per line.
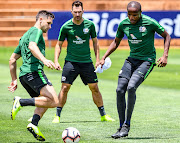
column 71, row 135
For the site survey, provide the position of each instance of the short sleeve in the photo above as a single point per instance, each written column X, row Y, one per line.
column 120, row 33
column 18, row 50
column 157, row 27
column 35, row 35
column 62, row 34
column 93, row 31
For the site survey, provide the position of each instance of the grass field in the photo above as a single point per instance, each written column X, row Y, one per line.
column 156, row 118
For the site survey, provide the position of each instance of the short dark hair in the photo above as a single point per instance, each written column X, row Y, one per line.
column 77, row 3
column 44, row 13
column 134, row 4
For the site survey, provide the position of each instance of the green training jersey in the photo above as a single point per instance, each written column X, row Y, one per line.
column 140, row 37
column 30, row 63
column 78, row 36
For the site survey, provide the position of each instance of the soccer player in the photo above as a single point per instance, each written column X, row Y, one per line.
column 78, row 60
column 32, row 50
column 140, row 30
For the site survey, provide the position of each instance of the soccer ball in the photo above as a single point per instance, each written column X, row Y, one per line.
column 71, row 135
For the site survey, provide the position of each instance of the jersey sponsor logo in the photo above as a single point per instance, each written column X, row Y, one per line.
column 85, row 30
column 79, row 40
column 142, row 29
column 132, row 36
column 134, row 41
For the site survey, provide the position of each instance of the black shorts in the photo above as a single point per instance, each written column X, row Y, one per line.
column 33, row 82
column 72, row 69
column 136, row 66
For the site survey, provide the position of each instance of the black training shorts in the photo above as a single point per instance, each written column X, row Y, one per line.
column 136, row 66
column 33, row 82
column 72, row 69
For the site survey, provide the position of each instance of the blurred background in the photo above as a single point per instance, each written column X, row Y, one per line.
column 17, row 16
column 157, row 110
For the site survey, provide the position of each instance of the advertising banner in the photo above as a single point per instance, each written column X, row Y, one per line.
column 106, row 22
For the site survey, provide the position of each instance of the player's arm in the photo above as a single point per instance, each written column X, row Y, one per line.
column 57, row 53
column 96, row 50
column 113, row 46
column 162, row 62
column 37, row 53
column 12, row 66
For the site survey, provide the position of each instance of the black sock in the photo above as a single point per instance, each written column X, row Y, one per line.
column 27, row 102
column 58, row 111
column 35, row 119
column 127, row 123
column 102, row 111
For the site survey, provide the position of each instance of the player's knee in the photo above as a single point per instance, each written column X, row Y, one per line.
column 94, row 89
column 131, row 89
column 120, row 90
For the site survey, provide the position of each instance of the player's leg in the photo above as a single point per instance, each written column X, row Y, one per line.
column 97, row 98
column 16, row 104
column 36, row 84
column 89, row 77
column 43, row 95
column 124, row 76
column 134, row 82
column 48, row 97
column 121, row 103
column 69, row 74
column 33, row 126
column 137, row 78
column 62, row 100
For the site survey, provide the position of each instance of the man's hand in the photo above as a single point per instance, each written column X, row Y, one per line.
column 162, row 62
column 13, row 86
column 102, row 61
column 97, row 64
column 57, row 66
column 49, row 64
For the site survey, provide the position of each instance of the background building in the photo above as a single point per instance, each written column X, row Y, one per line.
column 17, row 16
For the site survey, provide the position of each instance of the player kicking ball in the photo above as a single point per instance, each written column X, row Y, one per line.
column 140, row 30
column 32, row 77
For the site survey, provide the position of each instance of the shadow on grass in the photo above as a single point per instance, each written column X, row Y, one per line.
column 81, row 122
column 142, row 138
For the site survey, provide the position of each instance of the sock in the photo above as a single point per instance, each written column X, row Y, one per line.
column 27, row 102
column 102, row 111
column 121, row 125
column 35, row 119
column 58, row 111
column 127, row 123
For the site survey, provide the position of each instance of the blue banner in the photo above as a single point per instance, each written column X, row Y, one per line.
column 106, row 22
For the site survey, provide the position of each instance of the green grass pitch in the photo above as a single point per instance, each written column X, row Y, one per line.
column 156, row 117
